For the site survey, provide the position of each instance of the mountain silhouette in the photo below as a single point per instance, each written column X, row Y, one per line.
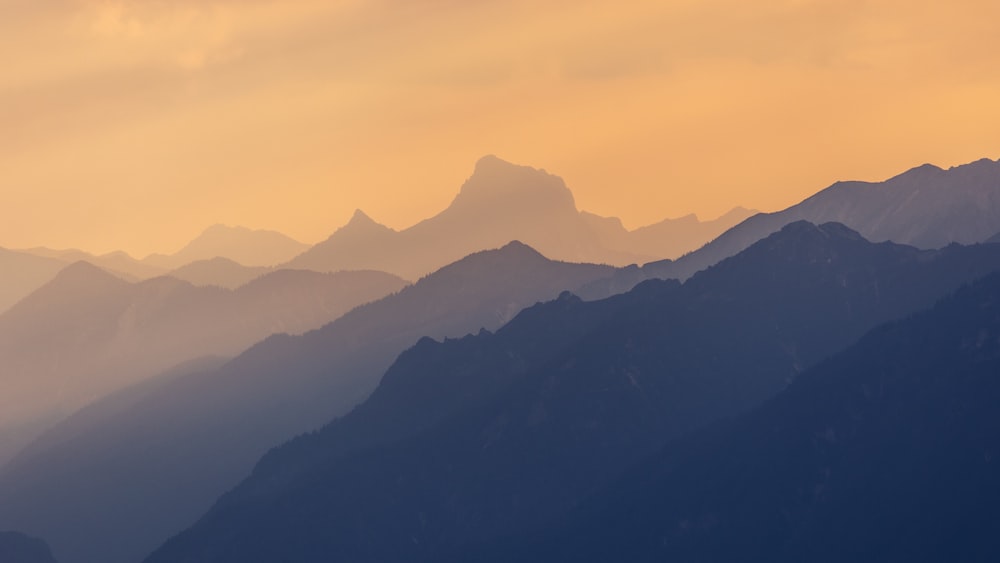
column 19, row 548
column 88, row 332
column 239, row 244
column 925, row 207
column 498, row 203
column 219, row 272
column 471, row 440
column 157, row 456
column 118, row 263
column 886, row 452
column 22, row 274
column 669, row 238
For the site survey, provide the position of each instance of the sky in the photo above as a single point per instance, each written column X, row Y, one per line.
column 136, row 124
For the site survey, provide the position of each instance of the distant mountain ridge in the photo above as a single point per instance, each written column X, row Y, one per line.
column 498, row 203
column 246, row 246
column 21, row 273
column 473, row 440
column 87, row 332
column 926, row 207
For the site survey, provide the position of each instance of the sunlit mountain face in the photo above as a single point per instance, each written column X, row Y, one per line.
column 498, row 281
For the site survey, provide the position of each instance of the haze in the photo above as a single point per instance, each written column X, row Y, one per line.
column 135, row 124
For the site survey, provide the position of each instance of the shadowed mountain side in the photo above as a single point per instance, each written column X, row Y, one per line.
column 498, row 203
column 21, row 273
column 475, row 439
column 219, row 272
column 669, row 238
column 118, row 263
column 239, row 244
column 995, row 239
column 19, row 548
column 887, row 452
column 86, row 332
column 208, row 431
column 926, row 207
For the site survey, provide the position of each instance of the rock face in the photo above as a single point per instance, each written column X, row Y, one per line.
column 470, row 441
column 19, row 548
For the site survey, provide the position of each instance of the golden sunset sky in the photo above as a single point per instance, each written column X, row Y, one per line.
column 135, row 124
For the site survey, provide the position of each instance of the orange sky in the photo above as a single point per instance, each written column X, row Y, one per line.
column 135, row 124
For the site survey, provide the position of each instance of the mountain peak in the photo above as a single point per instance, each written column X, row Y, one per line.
column 79, row 280
column 361, row 218
column 82, row 270
column 498, row 182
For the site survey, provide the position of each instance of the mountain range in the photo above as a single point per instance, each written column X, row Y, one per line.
column 248, row 247
column 87, row 332
column 927, row 207
column 472, row 440
column 22, row 273
column 523, row 443
column 886, row 452
column 115, row 480
column 498, row 203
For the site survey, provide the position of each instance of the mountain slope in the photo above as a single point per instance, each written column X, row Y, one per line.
column 926, row 207
column 176, row 448
column 239, row 244
column 119, row 263
column 669, row 238
column 22, row 273
column 18, row 548
column 87, row 332
column 219, row 272
column 471, row 440
column 498, row 203
column 887, row 452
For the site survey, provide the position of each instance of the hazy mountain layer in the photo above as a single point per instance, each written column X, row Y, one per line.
column 502, row 202
column 138, row 470
column 219, row 272
column 118, row 263
column 21, row 273
column 475, row 439
column 87, row 332
column 887, row 452
column 669, row 238
column 239, row 244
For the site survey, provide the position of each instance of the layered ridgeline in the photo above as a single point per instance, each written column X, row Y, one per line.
column 87, row 332
column 887, row 452
column 115, row 481
column 19, row 548
column 501, row 202
column 248, row 247
column 926, row 207
column 477, row 439
column 21, row 273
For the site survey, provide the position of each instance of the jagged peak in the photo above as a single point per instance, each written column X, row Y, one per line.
column 359, row 217
column 495, row 178
column 361, row 222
